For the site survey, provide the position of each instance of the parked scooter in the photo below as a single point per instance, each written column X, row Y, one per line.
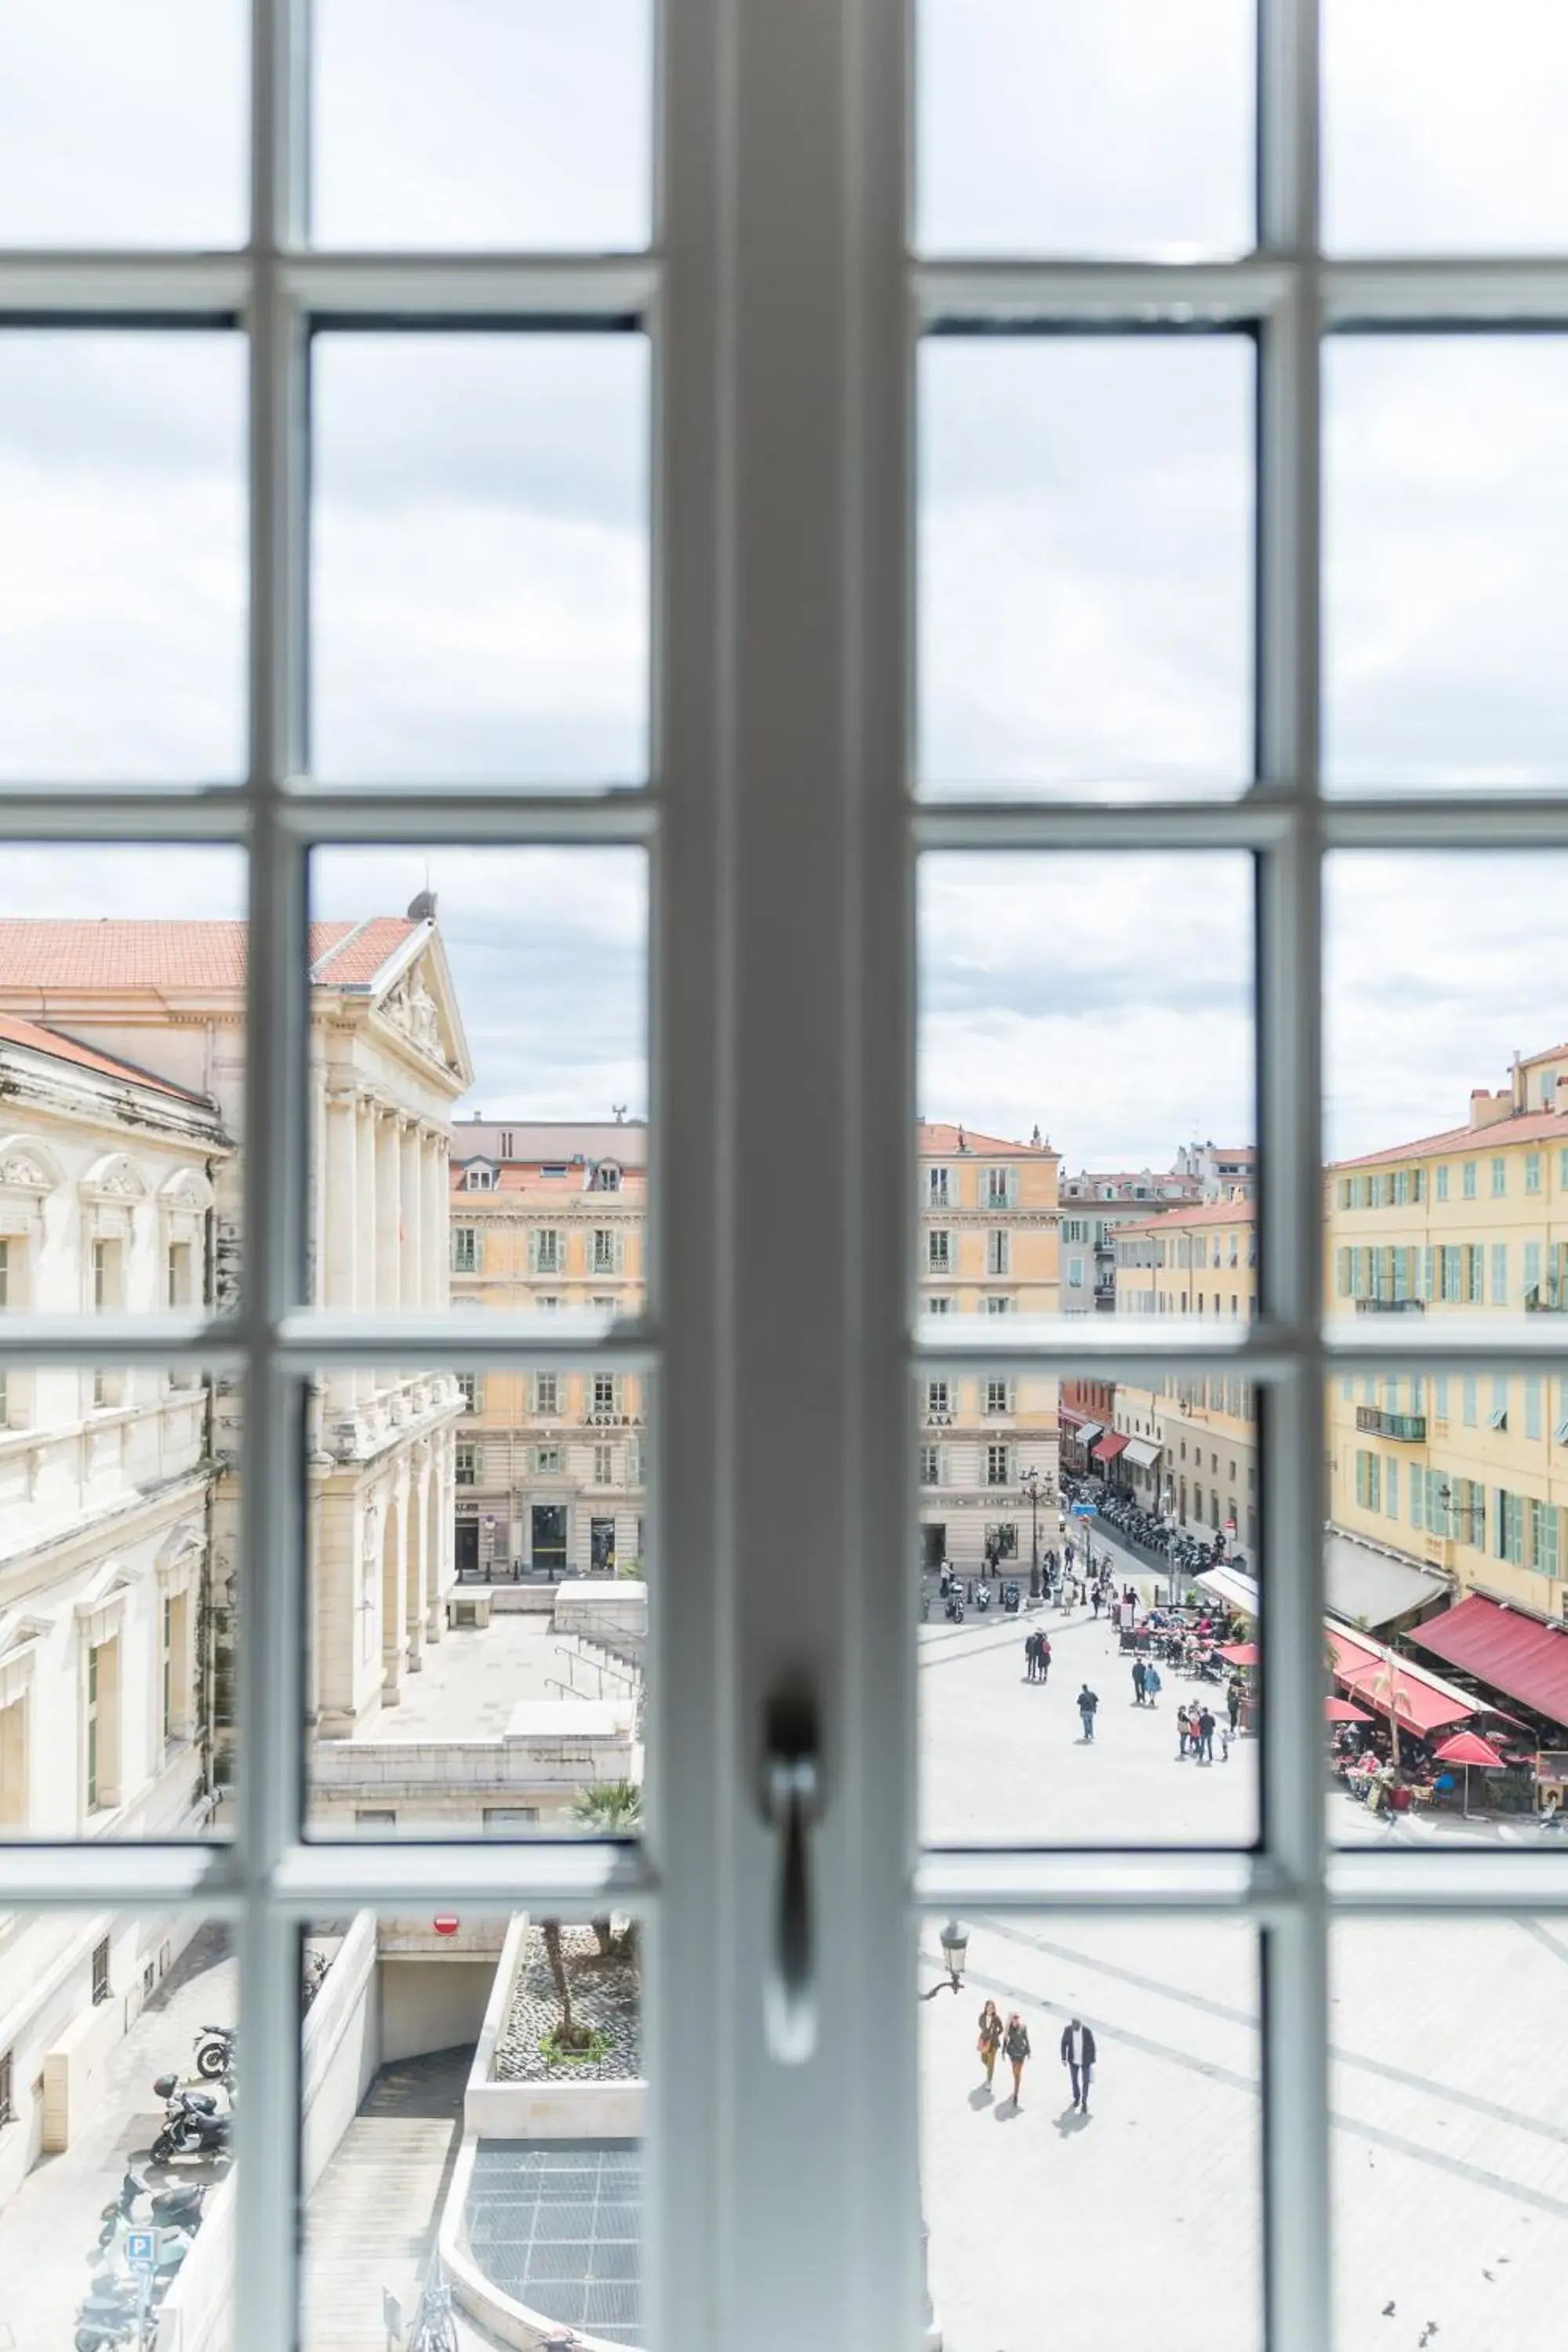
column 982, row 1595
column 110, row 2312
column 192, row 2125
column 955, row 1602
column 167, row 2208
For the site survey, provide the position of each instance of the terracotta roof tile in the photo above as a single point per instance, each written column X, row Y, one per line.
column 1211, row 1213
column 16, row 1032
column 941, row 1136
column 89, row 956
column 1527, row 1127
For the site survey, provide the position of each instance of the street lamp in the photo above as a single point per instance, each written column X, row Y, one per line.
column 954, row 1942
column 1030, row 1483
column 954, row 1948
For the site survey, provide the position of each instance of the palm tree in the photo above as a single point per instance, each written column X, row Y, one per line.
column 610, row 1808
column 569, row 2034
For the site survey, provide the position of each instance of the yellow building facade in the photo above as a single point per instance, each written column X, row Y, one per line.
column 1464, row 1474
column 989, row 1244
column 1191, row 1446
column 550, row 1466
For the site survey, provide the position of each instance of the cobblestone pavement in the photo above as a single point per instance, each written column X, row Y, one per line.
column 1450, row 2073
column 50, row 2226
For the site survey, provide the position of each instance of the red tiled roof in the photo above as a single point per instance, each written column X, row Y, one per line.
column 88, row 956
column 1525, row 1127
column 1211, row 1212
column 1515, row 1655
column 941, row 1136
column 16, row 1032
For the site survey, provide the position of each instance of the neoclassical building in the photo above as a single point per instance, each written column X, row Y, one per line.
column 388, row 1060
column 109, row 1183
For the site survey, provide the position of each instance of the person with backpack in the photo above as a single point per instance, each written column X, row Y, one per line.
column 1045, row 1657
column 1017, row 2048
column 1088, row 1707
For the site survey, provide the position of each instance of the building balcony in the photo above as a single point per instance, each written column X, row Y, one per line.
column 1406, row 1428
column 1391, row 1307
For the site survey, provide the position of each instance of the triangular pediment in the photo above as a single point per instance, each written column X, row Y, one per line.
column 420, row 1003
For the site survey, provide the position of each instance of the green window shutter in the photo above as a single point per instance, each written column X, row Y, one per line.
column 1499, row 1274
column 1343, row 1273
column 1391, row 1488
column 1417, row 1499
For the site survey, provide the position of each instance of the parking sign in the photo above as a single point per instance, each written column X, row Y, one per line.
column 141, row 2250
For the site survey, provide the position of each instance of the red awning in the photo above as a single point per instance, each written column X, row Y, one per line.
column 1344, row 1710
column 1069, row 1418
column 1109, row 1447
column 1512, row 1652
column 1418, row 1702
column 1239, row 1654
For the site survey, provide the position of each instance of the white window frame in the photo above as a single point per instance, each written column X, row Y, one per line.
column 778, row 784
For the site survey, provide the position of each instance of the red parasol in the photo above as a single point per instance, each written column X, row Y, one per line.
column 1239, row 1654
column 1467, row 1748
column 1344, row 1710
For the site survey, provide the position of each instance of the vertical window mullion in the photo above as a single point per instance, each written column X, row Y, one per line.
column 1289, row 1045
column 272, row 1497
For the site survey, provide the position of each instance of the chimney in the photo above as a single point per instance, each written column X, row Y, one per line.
column 1486, row 1109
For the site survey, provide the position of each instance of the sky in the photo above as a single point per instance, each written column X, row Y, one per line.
column 480, row 538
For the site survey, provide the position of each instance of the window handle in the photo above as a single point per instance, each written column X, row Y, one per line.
column 792, row 1802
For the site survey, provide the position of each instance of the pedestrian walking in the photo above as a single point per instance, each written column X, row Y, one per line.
column 1087, row 1705
column 1184, row 1732
column 1079, row 2055
column 1045, row 1657
column 1232, row 1702
column 1206, row 1735
column 1097, row 1598
column 1225, row 1743
column 1017, row 2048
column 1031, row 1656
column 1140, row 1672
column 990, row 2040
column 1150, row 1682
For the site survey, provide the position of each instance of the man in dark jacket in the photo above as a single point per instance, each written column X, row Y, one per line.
column 1088, row 1702
column 1079, row 2055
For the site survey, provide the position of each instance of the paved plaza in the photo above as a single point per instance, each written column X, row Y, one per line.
column 1143, row 2223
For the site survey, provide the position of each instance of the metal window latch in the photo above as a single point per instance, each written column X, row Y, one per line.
column 791, row 1803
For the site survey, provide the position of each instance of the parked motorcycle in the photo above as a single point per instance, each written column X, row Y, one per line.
column 982, row 1596
column 215, row 2053
column 955, row 1605
column 192, row 2124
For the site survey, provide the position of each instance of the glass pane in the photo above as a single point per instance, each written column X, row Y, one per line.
column 492, row 2165
column 1442, row 126
column 480, row 558
column 1056, row 129
column 122, row 560
column 1039, row 976
column 1456, row 2127
column 1448, row 1505
column 1446, row 511
column 482, row 122
column 123, row 126
column 479, row 1603
column 119, row 1528
column 122, row 1040
column 1086, row 560
column 1029, row 2200
column 117, row 2202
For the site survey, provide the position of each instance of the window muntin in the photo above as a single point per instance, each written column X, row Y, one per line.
column 1292, row 2122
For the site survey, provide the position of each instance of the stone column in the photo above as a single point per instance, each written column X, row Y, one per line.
column 364, row 1224
column 414, row 1569
column 388, row 1216
column 337, row 1269
column 412, row 1223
